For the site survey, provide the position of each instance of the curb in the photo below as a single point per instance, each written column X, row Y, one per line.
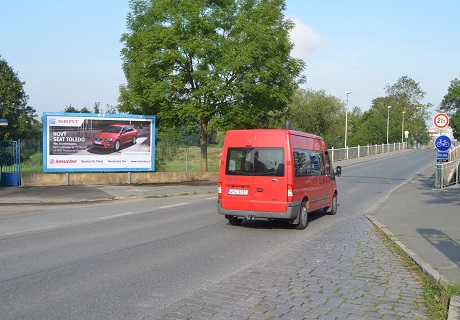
column 454, row 303
column 454, row 308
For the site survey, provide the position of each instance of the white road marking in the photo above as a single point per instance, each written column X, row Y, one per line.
column 31, row 230
column 117, row 215
column 173, row 205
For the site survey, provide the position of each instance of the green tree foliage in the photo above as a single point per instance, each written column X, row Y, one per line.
column 318, row 113
column 193, row 61
column 450, row 104
column 96, row 109
column 70, row 109
column 371, row 127
column 405, row 98
column 22, row 122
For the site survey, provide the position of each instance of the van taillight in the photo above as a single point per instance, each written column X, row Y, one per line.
column 290, row 195
column 219, row 191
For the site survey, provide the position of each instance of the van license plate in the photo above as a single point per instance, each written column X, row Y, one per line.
column 238, row 192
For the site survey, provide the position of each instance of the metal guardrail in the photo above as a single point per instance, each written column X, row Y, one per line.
column 364, row 151
column 447, row 174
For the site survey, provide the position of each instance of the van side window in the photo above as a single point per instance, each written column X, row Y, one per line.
column 308, row 163
column 318, row 162
column 255, row 161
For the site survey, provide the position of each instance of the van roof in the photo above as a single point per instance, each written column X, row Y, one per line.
column 294, row 132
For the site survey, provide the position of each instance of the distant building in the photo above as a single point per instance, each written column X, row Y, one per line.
column 436, row 132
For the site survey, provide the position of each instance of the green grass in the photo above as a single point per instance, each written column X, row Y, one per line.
column 437, row 294
column 192, row 162
column 34, row 164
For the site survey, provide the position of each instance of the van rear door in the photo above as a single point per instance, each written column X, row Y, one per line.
column 270, row 182
column 237, row 190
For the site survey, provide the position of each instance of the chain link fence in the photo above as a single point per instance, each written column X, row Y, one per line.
column 171, row 156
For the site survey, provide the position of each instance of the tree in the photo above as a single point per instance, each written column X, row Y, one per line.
column 110, row 109
column 371, row 127
column 405, row 98
column 193, row 61
column 22, row 122
column 450, row 104
column 70, row 109
column 316, row 112
column 96, row 108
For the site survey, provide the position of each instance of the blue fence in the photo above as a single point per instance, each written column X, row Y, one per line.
column 10, row 163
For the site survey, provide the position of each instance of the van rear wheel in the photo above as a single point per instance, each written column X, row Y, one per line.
column 234, row 221
column 303, row 216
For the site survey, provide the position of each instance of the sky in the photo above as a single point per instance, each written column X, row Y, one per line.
column 68, row 52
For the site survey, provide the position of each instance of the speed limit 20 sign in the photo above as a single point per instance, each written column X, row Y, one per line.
column 441, row 120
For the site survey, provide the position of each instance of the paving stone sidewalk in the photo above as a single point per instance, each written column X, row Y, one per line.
column 347, row 272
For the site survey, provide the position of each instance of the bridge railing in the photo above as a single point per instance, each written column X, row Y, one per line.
column 447, row 173
column 364, row 151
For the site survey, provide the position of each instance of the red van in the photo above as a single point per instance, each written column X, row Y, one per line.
column 275, row 174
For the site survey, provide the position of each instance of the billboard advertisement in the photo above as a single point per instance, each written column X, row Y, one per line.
column 86, row 142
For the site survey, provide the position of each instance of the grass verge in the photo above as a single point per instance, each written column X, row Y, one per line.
column 437, row 294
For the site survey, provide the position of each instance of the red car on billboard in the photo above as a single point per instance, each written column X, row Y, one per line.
column 114, row 136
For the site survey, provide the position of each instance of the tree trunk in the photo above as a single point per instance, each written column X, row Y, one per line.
column 204, row 144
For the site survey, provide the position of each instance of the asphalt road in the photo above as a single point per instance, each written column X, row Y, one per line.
column 129, row 259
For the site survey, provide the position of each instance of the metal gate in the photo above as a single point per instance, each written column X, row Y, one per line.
column 10, row 163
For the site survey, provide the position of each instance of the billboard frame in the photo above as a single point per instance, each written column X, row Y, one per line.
column 68, row 144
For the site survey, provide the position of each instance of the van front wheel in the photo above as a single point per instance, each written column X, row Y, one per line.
column 333, row 208
column 303, row 216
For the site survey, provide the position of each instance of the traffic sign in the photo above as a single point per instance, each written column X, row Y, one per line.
column 441, row 120
column 442, row 156
column 442, row 143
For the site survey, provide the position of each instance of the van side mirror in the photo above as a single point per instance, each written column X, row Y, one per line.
column 338, row 171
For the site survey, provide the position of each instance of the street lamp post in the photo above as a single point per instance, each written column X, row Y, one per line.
column 346, row 119
column 402, row 127
column 388, row 121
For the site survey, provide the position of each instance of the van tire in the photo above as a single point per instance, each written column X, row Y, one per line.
column 303, row 216
column 234, row 221
column 332, row 210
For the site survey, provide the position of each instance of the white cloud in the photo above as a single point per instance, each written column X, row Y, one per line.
column 305, row 40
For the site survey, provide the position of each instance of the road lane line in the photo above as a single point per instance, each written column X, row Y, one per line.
column 117, row 215
column 30, row 230
column 173, row 205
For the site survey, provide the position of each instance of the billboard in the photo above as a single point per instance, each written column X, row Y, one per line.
column 86, row 142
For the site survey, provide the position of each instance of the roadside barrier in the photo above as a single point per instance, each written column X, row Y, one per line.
column 447, row 173
column 364, row 151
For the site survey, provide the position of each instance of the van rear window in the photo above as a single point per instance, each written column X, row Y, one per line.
column 255, row 162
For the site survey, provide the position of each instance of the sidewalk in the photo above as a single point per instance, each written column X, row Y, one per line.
column 94, row 193
column 422, row 221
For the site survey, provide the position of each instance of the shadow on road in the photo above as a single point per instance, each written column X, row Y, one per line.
column 442, row 242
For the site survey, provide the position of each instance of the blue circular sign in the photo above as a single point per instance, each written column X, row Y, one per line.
column 442, row 143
